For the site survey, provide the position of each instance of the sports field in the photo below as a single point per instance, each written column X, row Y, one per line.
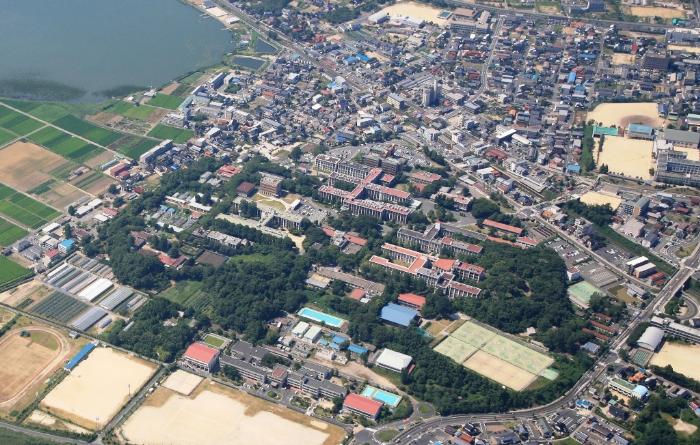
column 581, row 293
column 684, row 358
column 628, row 157
column 17, row 123
column 178, row 135
column 598, row 198
column 97, row 388
column 27, row 360
column 182, row 382
column 165, row 101
column 217, row 415
column 70, row 147
column 621, row 114
column 11, row 271
column 99, row 135
column 495, row 356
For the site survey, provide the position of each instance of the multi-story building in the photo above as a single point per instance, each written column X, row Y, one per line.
column 270, row 185
column 245, row 369
column 674, row 167
column 676, row 329
column 460, row 290
column 201, row 357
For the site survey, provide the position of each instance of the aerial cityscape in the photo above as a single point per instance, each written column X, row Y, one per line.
column 325, row 222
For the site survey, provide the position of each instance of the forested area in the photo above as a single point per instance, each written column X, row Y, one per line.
column 653, row 426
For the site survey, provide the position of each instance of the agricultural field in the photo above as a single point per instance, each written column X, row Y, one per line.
column 23, row 209
column 60, row 307
column 68, row 146
column 17, row 123
column 9, row 233
column 98, row 135
column 93, row 182
column 11, row 271
column 165, row 101
column 186, row 293
column 6, row 136
column 495, row 356
column 133, row 146
column 45, row 111
column 27, row 360
column 98, row 388
column 178, row 135
column 223, row 416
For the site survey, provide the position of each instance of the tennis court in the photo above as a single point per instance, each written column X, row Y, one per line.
column 455, row 349
column 518, row 355
column 473, row 334
column 500, row 371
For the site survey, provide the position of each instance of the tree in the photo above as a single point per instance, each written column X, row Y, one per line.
column 483, row 208
column 604, row 169
column 71, row 210
column 296, row 153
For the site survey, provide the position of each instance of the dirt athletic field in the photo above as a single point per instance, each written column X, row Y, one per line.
column 684, row 358
column 621, row 114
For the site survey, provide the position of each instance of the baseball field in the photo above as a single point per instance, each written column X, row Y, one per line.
column 97, row 388
column 215, row 414
column 494, row 355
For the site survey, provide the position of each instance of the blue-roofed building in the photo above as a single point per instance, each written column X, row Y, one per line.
column 640, row 392
column 607, row 131
column 77, row 358
column 66, row 246
column 363, row 57
column 398, row 315
column 350, row 60
column 340, row 339
column 357, row 349
column 639, row 131
column 573, row 168
column 572, row 77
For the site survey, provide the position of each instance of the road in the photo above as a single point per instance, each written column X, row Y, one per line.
column 41, row 435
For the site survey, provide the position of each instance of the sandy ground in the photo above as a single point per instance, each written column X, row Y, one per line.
column 621, row 114
column 684, row 427
column 499, row 371
column 362, row 372
column 623, row 59
column 655, row 11
column 684, row 358
column 182, row 382
column 47, row 420
column 96, row 161
column 98, row 387
column 629, row 157
column 416, row 11
column 222, row 416
column 32, row 289
column 693, row 153
column 598, row 198
column 25, row 165
column 25, row 363
column 170, row 88
column 690, row 49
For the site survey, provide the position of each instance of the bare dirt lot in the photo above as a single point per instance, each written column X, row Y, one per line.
column 222, row 416
column 684, row 358
column 33, row 290
column 42, row 419
column 97, row 388
column 623, row 59
column 629, row 157
column 655, row 11
column 27, row 360
column 182, row 382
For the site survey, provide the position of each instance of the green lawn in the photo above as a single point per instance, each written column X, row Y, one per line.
column 186, row 293
column 9, row 233
column 165, row 101
column 178, row 135
column 215, row 342
column 387, row 435
column 11, row 271
column 141, row 112
column 87, row 130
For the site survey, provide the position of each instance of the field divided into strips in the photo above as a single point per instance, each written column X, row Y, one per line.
column 87, row 130
column 63, row 144
column 133, row 146
column 17, row 123
column 11, row 271
column 178, row 135
column 60, row 307
column 140, row 112
column 496, row 356
column 165, row 101
column 23, row 209
column 9, row 233
column 6, row 136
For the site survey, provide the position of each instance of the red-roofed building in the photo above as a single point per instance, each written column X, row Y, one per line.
column 357, row 294
column 445, row 264
column 245, row 188
column 201, row 357
column 228, row 171
column 503, row 227
column 526, row 242
column 412, row 300
column 361, row 405
column 173, row 263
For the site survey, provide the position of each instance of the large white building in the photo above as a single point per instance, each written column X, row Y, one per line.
column 392, row 360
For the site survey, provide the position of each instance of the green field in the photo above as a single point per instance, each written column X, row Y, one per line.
column 141, row 112
column 87, row 130
column 23, row 209
column 213, row 341
column 42, row 188
column 11, row 271
column 6, row 136
column 165, row 101
column 9, row 233
column 63, row 144
column 133, row 146
column 186, row 293
column 178, row 135
column 88, row 179
column 17, row 123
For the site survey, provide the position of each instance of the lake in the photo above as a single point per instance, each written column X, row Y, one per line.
column 87, row 50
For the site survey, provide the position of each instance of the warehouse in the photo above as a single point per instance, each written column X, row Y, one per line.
column 392, row 360
column 398, row 315
column 201, row 357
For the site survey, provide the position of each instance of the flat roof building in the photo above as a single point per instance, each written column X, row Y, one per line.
column 392, row 360
column 201, row 357
column 398, row 315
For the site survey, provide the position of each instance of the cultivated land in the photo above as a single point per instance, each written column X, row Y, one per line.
column 629, row 157
column 97, row 388
column 222, row 416
column 25, row 294
column 164, row 101
column 655, row 11
column 30, row 169
column 9, row 233
column 70, row 147
column 494, row 355
column 11, row 271
column 17, row 123
column 621, row 114
column 684, row 358
column 99, row 135
column 178, row 135
column 23, row 209
column 27, row 361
